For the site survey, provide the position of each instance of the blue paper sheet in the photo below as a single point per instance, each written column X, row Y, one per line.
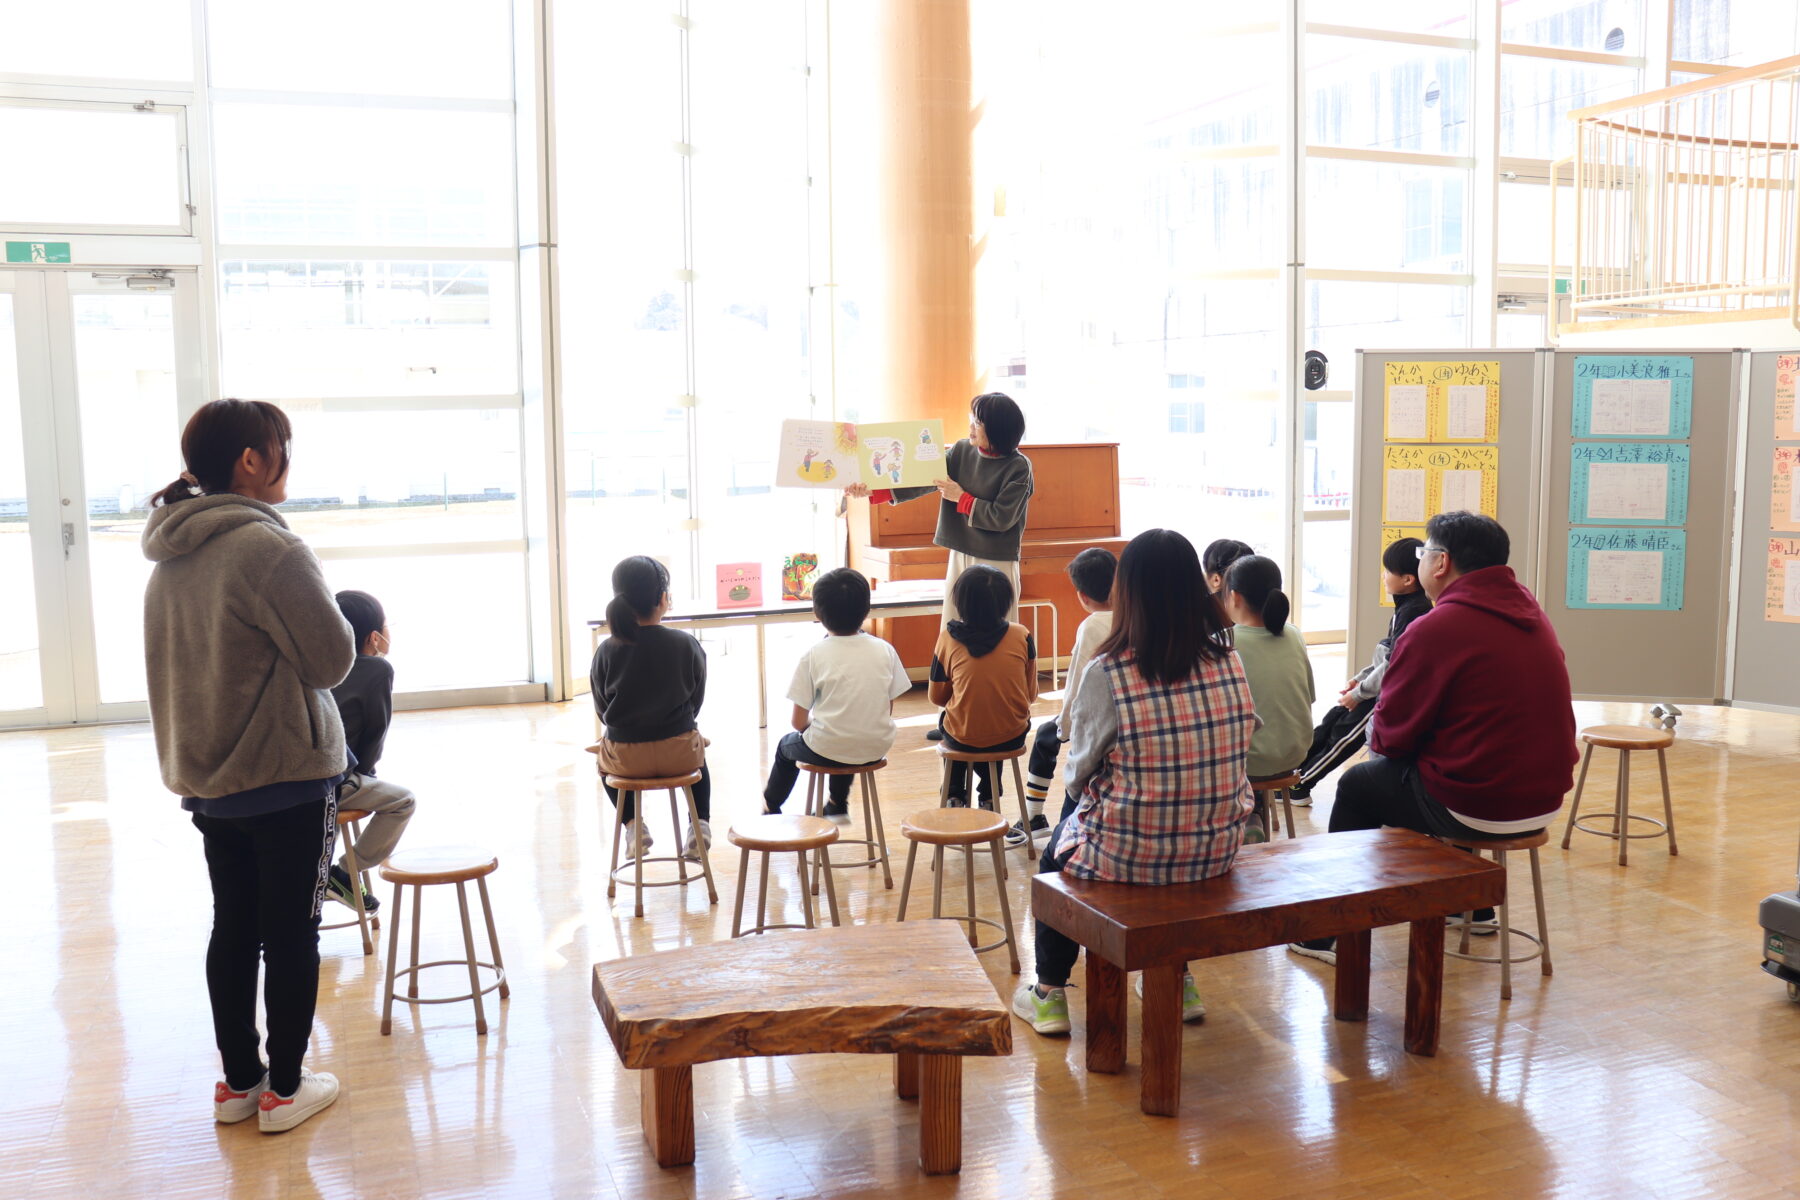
column 1628, row 483
column 1641, row 396
column 1626, row 568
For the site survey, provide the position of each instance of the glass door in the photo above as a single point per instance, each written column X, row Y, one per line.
column 99, row 373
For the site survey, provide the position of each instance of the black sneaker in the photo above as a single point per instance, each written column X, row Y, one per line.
column 1323, row 949
column 934, row 735
column 1015, row 835
column 339, row 889
column 838, row 810
column 957, row 802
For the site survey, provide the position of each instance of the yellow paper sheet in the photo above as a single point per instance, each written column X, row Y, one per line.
column 1787, row 375
column 1406, row 402
column 1441, row 402
column 1783, row 496
column 1781, row 598
column 1405, row 489
column 1389, row 535
column 1463, row 477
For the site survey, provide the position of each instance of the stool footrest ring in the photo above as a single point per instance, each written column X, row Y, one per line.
column 499, row 978
column 1581, row 824
column 622, row 874
column 1455, row 928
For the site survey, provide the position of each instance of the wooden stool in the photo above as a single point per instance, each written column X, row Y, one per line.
column 948, row 756
column 636, row 789
column 420, row 869
column 349, row 822
column 774, row 833
column 968, row 828
column 1282, row 787
column 1506, row 958
column 1624, row 739
column 876, row 841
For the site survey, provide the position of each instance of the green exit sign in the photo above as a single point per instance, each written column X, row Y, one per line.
column 37, row 252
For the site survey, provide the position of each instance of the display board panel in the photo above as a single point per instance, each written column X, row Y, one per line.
column 1766, row 642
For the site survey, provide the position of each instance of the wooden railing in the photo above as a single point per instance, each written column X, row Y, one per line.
column 1685, row 204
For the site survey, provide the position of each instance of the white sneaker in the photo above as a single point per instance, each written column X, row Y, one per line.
column 278, row 1114
column 704, row 838
column 637, row 838
column 1300, row 801
column 1192, row 1007
column 230, row 1107
column 1045, row 1014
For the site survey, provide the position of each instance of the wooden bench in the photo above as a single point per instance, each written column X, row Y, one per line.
column 914, row 991
column 1338, row 885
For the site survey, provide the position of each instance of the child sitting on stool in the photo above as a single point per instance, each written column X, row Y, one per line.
column 984, row 676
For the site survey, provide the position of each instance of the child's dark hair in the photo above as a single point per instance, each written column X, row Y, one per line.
column 1222, row 553
column 365, row 614
column 1002, row 420
column 638, row 586
column 1091, row 572
column 1162, row 611
column 841, row 600
column 983, row 597
column 1402, row 556
column 1258, row 581
column 216, row 437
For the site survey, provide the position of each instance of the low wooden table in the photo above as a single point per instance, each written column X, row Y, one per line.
column 914, row 991
column 1340, row 885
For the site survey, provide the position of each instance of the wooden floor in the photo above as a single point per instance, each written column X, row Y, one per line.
column 1658, row 1061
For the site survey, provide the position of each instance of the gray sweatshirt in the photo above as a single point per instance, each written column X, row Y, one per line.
column 1001, row 492
column 243, row 643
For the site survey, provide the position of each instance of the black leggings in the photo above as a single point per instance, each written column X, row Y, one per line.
column 1056, row 950
column 1388, row 791
column 987, row 775
column 268, row 880
column 702, row 796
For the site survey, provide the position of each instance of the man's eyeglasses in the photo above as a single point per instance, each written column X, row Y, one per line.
column 1422, row 551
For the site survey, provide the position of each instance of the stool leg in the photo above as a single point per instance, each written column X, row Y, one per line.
column 612, row 875
column 1622, row 822
column 387, row 1000
column 912, row 854
column 1268, row 820
column 1468, row 919
column 1662, row 766
column 367, row 887
column 969, row 891
column 412, row 980
column 872, row 805
column 1287, row 811
column 762, row 894
column 737, row 910
column 462, row 904
column 944, row 784
column 806, row 904
column 815, row 807
column 1575, row 804
column 1537, row 893
column 1028, row 848
column 937, row 883
column 1506, row 955
column 681, row 861
column 637, row 807
column 487, row 913
column 831, row 899
column 356, row 886
column 712, row 893
column 1012, row 948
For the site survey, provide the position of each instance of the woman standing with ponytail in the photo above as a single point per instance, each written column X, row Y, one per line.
column 1275, row 662
column 243, row 643
column 649, row 682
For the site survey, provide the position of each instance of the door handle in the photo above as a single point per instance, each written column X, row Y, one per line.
column 68, row 538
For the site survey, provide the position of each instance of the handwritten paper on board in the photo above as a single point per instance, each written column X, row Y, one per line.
column 1641, row 483
column 1626, row 569
column 1634, row 395
column 1787, row 375
column 1781, row 598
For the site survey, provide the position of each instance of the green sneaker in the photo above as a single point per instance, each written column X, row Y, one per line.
column 1192, row 1007
column 1045, row 1014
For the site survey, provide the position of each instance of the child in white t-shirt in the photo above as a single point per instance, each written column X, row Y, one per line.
column 843, row 692
column 1091, row 572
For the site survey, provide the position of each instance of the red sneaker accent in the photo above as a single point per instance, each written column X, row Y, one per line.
column 270, row 1101
column 222, row 1093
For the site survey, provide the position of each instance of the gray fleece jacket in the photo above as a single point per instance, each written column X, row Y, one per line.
column 243, row 643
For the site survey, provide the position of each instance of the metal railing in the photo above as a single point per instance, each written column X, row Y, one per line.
column 1685, row 204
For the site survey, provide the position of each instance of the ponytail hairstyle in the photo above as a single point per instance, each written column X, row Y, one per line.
column 216, row 438
column 1162, row 612
column 1221, row 554
column 1258, row 581
column 638, row 586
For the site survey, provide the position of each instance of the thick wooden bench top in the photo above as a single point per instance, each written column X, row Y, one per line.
column 864, row 989
column 1277, row 892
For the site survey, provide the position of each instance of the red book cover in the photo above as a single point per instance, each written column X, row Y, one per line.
column 740, row 585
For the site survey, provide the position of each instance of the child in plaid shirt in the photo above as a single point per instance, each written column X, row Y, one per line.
column 1162, row 725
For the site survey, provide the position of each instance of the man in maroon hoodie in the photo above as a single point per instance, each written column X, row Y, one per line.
column 1474, row 734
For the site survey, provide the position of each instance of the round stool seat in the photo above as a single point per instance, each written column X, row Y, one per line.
column 862, row 769
column 779, row 831
column 625, row 783
column 439, row 864
column 1628, row 737
column 978, row 756
column 347, row 815
column 1279, row 783
column 953, row 826
column 1524, row 841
